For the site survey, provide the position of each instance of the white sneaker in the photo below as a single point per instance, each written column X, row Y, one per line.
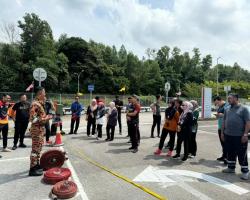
column 191, row 156
column 245, row 176
column 6, row 150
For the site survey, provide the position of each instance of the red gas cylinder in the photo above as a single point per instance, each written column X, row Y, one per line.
column 52, row 158
column 55, row 175
column 64, row 190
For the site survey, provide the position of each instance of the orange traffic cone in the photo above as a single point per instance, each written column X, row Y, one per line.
column 58, row 141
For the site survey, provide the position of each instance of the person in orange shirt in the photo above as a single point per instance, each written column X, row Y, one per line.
column 170, row 126
column 4, row 120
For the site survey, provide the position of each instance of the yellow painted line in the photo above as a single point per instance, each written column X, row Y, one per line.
column 145, row 189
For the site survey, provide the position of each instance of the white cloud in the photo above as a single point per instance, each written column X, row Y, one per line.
column 219, row 27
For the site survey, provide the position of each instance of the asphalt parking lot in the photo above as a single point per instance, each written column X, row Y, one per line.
column 108, row 170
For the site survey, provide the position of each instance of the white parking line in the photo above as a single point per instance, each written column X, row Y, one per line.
column 76, row 179
column 207, row 132
column 190, row 189
column 14, row 159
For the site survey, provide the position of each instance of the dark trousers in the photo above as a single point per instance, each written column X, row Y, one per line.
column 119, row 121
column 164, row 134
column 20, row 129
column 224, row 153
column 47, row 131
column 133, row 131
column 4, row 128
column 91, row 122
column 73, row 122
column 112, row 129
column 128, row 130
column 138, row 134
column 182, row 137
column 193, row 143
column 156, row 121
column 99, row 130
column 235, row 148
column 54, row 129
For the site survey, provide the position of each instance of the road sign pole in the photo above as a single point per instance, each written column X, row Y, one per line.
column 166, row 96
column 90, row 96
column 39, row 75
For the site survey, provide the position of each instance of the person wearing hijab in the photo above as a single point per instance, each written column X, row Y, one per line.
column 91, row 117
column 184, row 129
column 170, row 126
column 111, row 122
column 100, row 119
column 192, row 139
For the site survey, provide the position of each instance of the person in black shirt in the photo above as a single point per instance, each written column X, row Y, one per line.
column 50, row 110
column 119, row 106
column 133, row 123
column 184, row 130
column 21, row 119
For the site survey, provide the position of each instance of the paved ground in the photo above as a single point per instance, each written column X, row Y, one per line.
column 168, row 178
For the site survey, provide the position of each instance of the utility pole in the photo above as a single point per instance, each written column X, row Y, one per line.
column 78, row 80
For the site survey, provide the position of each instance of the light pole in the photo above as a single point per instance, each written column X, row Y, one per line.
column 78, row 80
column 217, row 72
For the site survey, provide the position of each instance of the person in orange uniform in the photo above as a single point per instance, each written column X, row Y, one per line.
column 4, row 120
column 38, row 119
column 170, row 126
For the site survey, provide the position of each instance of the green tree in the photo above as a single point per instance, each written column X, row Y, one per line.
column 36, row 38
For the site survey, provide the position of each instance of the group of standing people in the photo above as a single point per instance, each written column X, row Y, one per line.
column 39, row 113
column 19, row 112
column 95, row 116
column 181, row 120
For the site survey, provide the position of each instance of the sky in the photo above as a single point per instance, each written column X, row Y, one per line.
column 217, row 27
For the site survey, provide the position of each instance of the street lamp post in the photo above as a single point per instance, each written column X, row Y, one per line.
column 217, row 72
column 78, row 80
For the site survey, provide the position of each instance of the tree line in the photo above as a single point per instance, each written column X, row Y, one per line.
column 107, row 67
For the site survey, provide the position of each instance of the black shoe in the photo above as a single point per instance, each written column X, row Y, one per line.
column 22, row 145
column 75, row 133
column 176, row 156
column 127, row 136
column 107, row 139
column 184, row 158
column 35, row 172
column 14, row 147
column 225, row 161
column 221, row 159
column 135, row 150
column 130, row 148
column 158, row 136
column 129, row 141
column 152, row 136
column 63, row 133
column 120, row 132
column 111, row 140
column 1, row 156
column 38, row 167
column 70, row 133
